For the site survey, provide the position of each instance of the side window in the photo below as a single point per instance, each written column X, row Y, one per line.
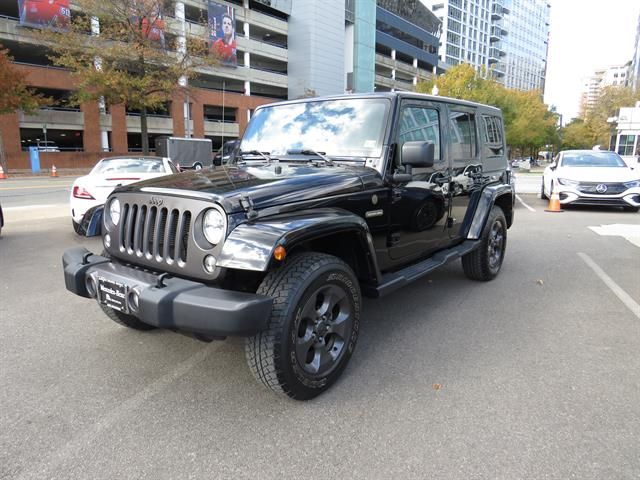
column 420, row 124
column 492, row 135
column 463, row 135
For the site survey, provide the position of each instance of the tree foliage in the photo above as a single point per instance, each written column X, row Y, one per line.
column 529, row 123
column 14, row 94
column 128, row 61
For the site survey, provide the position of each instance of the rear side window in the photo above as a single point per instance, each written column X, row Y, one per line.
column 492, row 133
column 463, row 135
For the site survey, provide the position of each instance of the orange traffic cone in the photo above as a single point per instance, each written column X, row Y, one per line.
column 54, row 172
column 554, row 203
column 2, row 174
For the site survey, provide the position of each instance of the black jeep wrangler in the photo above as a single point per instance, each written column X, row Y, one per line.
column 327, row 199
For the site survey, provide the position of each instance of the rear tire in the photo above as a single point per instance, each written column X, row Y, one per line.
column 542, row 195
column 313, row 327
column 78, row 228
column 631, row 209
column 484, row 262
column 197, row 166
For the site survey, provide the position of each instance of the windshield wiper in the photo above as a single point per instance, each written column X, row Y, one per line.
column 309, row 151
column 265, row 155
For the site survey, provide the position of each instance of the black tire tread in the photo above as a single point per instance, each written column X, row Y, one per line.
column 474, row 263
column 261, row 350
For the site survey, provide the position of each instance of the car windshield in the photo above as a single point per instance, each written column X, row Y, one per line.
column 351, row 127
column 592, row 159
column 128, row 165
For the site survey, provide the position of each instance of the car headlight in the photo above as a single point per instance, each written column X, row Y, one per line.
column 114, row 211
column 568, row 183
column 213, row 226
column 632, row 183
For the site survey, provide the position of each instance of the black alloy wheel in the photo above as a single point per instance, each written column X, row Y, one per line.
column 484, row 262
column 313, row 328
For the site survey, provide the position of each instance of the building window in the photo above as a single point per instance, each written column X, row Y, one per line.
column 625, row 144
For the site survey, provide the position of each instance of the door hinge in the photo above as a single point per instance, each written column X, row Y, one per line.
column 396, row 195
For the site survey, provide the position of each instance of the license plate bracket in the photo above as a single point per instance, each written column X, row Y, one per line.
column 113, row 294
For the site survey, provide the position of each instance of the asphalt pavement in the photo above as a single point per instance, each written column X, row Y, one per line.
column 533, row 375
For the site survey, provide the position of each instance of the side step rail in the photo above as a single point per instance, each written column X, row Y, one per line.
column 395, row 280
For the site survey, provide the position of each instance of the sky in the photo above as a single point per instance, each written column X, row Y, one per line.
column 586, row 35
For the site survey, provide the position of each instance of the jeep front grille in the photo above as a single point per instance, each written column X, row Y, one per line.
column 156, row 233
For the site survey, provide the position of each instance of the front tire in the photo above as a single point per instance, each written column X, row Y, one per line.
column 197, row 166
column 484, row 263
column 313, row 328
column 631, row 209
column 542, row 194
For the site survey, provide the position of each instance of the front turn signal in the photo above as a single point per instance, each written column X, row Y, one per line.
column 279, row 253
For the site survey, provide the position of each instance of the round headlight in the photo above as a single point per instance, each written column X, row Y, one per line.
column 114, row 211
column 213, row 226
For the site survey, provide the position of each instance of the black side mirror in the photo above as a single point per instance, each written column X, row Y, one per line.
column 418, row 154
column 553, row 166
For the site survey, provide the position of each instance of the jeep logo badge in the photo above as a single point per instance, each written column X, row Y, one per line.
column 601, row 188
column 157, row 201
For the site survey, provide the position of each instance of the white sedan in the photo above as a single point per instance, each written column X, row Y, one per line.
column 592, row 177
column 93, row 189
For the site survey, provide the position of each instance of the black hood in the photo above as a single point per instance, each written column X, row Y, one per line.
column 265, row 184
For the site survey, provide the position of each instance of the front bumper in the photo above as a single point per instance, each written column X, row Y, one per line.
column 171, row 303
column 570, row 196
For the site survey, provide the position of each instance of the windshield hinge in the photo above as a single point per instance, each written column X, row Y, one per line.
column 247, row 203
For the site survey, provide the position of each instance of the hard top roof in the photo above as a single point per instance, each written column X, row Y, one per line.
column 391, row 96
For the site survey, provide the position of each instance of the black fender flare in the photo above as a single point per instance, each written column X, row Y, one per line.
column 487, row 199
column 250, row 245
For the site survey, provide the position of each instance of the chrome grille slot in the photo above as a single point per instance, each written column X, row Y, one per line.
column 159, row 234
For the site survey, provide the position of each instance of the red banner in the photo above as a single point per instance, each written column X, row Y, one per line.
column 45, row 13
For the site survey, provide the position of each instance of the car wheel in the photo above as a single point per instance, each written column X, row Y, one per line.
column 542, row 194
column 313, row 327
column 197, row 166
column 484, row 262
column 631, row 209
column 78, row 228
column 121, row 318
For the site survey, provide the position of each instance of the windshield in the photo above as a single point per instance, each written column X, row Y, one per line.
column 592, row 159
column 340, row 128
column 128, row 165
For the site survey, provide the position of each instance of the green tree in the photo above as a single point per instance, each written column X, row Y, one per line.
column 611, row 99
column 127, row 61
column 529, row 124
column 576, row 135
column 14, row 94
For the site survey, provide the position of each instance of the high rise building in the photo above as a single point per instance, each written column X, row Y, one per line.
column 634, row 69
column 526, row 46
column 615, row 75
column 508, row 38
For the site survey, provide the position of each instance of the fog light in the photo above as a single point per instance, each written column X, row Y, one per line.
column 134, row 300
column 209, row 263
column 107, row 240
column 90, row 285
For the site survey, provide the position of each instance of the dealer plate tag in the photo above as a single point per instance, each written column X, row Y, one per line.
column 113, row 294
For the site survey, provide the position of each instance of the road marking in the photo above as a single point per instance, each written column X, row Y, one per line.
column 48, row 463
column 626, row 231
column 35, row 186
column 619, row 292
column 525, row 205
column 35, row 207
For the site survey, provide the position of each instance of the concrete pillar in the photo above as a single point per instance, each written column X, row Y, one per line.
column 177, row 114
column 119, row 129
column 91, row 138
column 197, row 115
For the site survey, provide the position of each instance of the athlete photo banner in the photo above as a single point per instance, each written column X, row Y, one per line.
column 222, row 33
column 45, row 13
